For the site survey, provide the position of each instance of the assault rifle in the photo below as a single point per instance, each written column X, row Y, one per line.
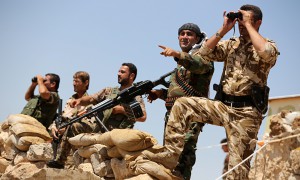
column 126, row 96
column 57, row 121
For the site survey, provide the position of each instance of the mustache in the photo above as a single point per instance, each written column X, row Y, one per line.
column 184, row 40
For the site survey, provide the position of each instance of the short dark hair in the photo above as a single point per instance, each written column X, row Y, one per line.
column 83, row 76
column 257, row 13
column 54, row 78
column 223, row 141
column 132, row 69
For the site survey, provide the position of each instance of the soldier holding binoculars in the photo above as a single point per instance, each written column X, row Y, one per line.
column 44, row 105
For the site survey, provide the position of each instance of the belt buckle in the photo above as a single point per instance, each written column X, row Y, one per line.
column 228, row 103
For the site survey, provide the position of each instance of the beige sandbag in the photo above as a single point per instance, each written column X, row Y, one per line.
column 30, row 130
column 87, row 151
column 145, row 166
column 31, row 140
column 23, row 119
column 113, row 152
column 86, row 139
column 120, row 169
column 83, row 139
column 132, row 155
column 23, row 143
column 132, row 139
column 4, row 125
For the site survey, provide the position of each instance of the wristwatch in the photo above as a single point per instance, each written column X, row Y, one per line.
column 218, row 35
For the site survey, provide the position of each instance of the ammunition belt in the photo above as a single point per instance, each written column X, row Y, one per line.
column 188, row 89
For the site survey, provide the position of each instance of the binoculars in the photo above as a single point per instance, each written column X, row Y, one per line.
column 34, row 79
column 233, row 15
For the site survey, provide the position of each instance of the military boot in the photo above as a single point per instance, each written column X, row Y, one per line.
column 55, row 164
column 165, row 158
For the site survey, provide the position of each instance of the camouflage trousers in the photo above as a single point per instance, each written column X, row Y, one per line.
column 241, row 126
column 83, row 126
column 188, row 156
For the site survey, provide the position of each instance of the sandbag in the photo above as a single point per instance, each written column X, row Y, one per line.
column 132, row 139
column 30, row 130
column 113, row 152
column 23, row 143
column 87, row 151
column 132, row 155
column 4, row 125
column 86, row 139
column 23, row 119
column 145, row 166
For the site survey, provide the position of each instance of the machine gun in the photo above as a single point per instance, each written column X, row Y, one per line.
column 126, row 96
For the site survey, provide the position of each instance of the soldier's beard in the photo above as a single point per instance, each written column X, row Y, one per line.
column 123, row 82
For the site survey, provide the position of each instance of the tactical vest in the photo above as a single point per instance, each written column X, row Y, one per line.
column 39, row 109
column 115, row 121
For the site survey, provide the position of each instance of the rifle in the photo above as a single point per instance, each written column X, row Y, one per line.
column 58, row 120
column 126, row 96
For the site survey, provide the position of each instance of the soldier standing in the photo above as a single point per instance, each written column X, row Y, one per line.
column 247, row 60
column 191, row 78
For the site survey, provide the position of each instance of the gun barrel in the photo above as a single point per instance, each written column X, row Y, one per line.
column 162, row 80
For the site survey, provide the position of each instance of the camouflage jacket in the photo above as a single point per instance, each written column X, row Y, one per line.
column 244, row 65
column 194, row 71
column 71, row 112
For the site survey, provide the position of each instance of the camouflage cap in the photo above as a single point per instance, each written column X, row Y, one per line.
column 192, row 27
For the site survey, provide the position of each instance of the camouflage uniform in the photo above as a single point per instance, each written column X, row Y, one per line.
column 198, row 76
column 42, row 110
column 225, row 167
column 85, row 125
column 243, row 67
column 111, row 121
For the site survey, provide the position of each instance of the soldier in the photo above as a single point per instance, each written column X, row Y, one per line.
column 115, row 117
column 226, row 160
column 81, row 81
column 247, row 60
column 43, row 107
column 192, row 78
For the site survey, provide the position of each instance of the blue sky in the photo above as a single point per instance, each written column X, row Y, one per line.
column 65, row 36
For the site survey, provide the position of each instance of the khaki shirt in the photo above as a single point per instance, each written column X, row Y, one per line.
column 69, row 112
column 244, row 65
